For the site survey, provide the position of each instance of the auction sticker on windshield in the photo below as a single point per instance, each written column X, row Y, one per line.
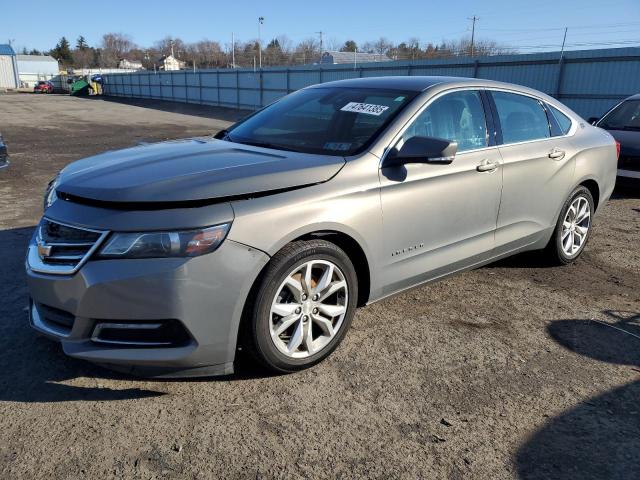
column 368, row 108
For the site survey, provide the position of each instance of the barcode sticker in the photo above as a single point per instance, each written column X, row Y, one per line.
column 368, row 108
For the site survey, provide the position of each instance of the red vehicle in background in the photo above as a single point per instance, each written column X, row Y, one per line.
column 43, row 87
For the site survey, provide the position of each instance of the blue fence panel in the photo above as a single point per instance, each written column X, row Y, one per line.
column 588, row 81
column 274, row 80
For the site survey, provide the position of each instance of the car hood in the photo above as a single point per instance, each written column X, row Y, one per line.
column 192, row 170
column 629, row 141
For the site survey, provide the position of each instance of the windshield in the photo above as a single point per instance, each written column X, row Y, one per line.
column 330, row 121
column 625, row 116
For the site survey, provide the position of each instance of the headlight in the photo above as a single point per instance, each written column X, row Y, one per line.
column 50, row 193
column 164, row 244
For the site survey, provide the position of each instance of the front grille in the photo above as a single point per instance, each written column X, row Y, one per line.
column 60, row 248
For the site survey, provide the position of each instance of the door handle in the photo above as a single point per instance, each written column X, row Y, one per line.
column 487, row 166
column 556, row 154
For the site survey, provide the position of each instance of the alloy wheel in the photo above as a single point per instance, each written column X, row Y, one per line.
column 308, row 309
column 575, row 226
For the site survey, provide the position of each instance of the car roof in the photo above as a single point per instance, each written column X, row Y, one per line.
column 414, row 83
column 422, row 83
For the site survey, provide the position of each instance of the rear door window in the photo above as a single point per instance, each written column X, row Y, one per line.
column 522, row 118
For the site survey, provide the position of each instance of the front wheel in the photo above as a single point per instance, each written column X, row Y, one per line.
column 304, row 305
column 573, row 228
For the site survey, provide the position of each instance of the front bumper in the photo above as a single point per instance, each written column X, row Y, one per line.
column 205, row 295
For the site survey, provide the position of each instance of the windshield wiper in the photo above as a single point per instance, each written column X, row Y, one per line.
column 263, row 145
column 222, row 135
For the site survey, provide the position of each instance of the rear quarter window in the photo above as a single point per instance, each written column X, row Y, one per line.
column 564, row 122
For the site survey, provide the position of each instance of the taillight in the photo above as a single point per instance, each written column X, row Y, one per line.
column 618, row 149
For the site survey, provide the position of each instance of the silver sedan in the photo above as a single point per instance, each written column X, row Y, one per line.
column 164, row 259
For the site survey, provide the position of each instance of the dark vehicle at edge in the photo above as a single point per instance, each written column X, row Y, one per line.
column 4, row 155
column 623, row 122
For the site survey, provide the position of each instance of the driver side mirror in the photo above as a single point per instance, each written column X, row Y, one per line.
column 423, row 150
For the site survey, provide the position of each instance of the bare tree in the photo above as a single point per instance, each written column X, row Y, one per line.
column 114, row 47
column 207, row 54
column 164, row 46
column 382, row 46
column 277, row 51
column 480, row 48
column 307, row 51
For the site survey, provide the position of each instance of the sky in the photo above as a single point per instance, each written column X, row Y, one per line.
column 536, row 25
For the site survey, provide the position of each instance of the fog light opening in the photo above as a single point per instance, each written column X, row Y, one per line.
column 168, row 333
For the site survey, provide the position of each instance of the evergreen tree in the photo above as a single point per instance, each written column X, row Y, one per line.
column 62, row 52
column 81, row 43
column 349, row 46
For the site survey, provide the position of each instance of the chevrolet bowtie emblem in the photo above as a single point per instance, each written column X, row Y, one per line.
column 43, row 250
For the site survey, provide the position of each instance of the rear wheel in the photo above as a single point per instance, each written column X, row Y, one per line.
column 573, row 228
column 304, row 306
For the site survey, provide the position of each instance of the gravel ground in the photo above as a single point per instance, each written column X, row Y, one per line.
column 509, row 371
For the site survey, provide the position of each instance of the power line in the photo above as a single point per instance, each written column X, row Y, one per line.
column 572, row 27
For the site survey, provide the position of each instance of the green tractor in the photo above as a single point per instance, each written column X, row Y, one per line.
column 78, row 87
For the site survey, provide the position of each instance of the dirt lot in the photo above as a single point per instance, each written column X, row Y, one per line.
column 510, row 371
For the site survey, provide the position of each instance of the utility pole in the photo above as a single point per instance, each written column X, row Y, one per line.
column 233, row 50
column 320, row 33
column 260, row 22
column 172, row 42
column 474, row 19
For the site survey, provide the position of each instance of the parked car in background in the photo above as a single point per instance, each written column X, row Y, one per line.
column 623, row 122
column 4, row 154
column 163, row 259
column 43, row 87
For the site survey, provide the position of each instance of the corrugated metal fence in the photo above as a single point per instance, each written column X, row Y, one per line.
column 588, row 81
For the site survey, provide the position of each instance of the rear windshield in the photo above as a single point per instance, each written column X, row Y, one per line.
column 625, row 116
column 331, row 121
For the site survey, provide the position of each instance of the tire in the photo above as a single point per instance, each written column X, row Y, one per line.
column 320, row 333
column 558, row 249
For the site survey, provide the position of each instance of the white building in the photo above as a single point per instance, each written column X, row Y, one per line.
column 8, row 67
column 335, row 58
column 169, row 63
column 129, row 64
column 34, row 68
